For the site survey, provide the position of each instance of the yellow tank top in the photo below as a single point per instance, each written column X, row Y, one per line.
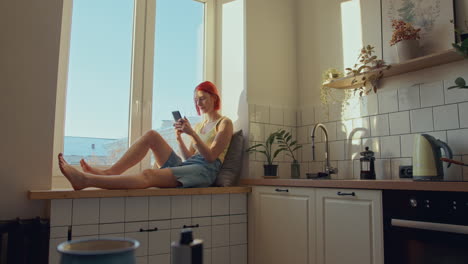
column 209, row 136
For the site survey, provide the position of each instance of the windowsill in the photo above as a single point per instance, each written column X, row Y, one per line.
column 100, row 193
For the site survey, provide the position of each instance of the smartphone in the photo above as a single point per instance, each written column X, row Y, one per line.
column 176, row 115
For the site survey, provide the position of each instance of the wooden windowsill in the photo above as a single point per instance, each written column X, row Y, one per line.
column 99, row 193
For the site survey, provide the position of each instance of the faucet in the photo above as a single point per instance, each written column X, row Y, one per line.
column 328, row 168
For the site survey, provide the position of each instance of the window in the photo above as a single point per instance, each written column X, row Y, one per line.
column 124, row 66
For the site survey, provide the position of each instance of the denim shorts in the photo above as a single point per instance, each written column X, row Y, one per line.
column 193, row 172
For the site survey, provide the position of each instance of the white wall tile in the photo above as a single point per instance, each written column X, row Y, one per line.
column 465, row 169
column 383, row 170
column 373, row 144
column 241, row 218
column 237, row 203
column 408, row 98
column 334, row 111
column 337, row 150
column 220, row 255
column 251, row 113
column 276, row 116
column 432, row 94
column 290, row 117
column 238, row 234
column 220, row 204
column 201, row 205
column 315, row 167
column 181, row 206
column 458, row 141
column 399, row 123
column 396, row 163
column 331, row 128
column 85, row 211
column 407, row 142
column 345, row 169
column 390, row 147
column 61, row 212
column 356, row 169
column 352, row 149
column 421, row 120
column 344, row 129
column 262, row 114
column 59, row 231
column 159, row 207
column 302, row 135
column 238, row 254
column 85, row 230
column 256, row 132
column 304, row 168
column 446, row 117
column 308, row 116
column 220, row 220
column 369, row 105
column 115, row 228
column 136, row 209
column 361, row 128
column 321, row 113
column 379, row 125
column 112, row 210
column 220, row 236
column 454, row 95
column 319, row 151
column 388, row 101
column 463, row 113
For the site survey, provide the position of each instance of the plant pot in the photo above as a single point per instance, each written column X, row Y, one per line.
column 295, row 170
column 407, row 49
column 270, row 170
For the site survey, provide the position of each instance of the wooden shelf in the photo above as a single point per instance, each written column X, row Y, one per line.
column 416, row 64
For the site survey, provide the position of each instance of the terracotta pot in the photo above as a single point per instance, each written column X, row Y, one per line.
column 407, row 49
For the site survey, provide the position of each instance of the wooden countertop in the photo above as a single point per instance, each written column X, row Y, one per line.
column 362, row 184
column 98, row 193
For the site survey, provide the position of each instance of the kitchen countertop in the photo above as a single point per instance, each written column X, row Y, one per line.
column 362, row 184
column 98, row 193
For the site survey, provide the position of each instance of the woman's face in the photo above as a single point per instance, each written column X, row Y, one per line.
column 204, row 101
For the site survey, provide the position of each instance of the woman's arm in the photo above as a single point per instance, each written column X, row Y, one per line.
column 221, row 141
column 186, row 152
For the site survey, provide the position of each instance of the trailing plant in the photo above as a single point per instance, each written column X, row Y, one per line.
column 366, row 62
column 462, row 48
column 287, row 143
column 403, row 31
column 325, row 92
column 266, row 148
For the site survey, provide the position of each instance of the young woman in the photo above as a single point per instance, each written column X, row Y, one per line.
column 203, row 158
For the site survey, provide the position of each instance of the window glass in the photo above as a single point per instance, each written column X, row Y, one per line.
column 178, row 62
column 99, row 77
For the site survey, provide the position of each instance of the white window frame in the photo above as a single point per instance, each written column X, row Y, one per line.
column 142, row 75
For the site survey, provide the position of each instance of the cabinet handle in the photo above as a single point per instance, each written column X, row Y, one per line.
column 346, row 194
column 282, row 190
column 148, row 230
column 191, row 226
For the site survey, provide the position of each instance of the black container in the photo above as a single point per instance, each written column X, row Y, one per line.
column 367, row 165
column 270, row 170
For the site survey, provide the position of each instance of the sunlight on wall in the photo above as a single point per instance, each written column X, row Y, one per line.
column 351, row 25
column 232, row 57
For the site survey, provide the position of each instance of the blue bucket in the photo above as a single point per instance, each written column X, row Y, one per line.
column 102, row 251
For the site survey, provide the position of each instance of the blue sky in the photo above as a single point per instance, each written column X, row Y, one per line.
column 98, row 89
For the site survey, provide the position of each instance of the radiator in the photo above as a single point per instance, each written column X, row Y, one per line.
column 24, row 241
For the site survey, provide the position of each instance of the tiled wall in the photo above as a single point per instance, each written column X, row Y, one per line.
column 386, row 122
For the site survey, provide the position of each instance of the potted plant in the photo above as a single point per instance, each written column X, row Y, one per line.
column 406, row 38
column 289, row 145
column 368, row 63
column 266, row 148
column 461, row 46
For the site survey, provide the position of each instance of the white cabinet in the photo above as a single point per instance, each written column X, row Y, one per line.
column 349, row 226
column 284, row 225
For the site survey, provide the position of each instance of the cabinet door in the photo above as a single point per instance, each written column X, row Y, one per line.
column 284, row 225
column 349, row 226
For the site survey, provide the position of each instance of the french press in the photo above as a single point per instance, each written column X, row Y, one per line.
column 367, row 165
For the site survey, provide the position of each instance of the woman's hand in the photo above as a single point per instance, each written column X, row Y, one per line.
column 183, row 126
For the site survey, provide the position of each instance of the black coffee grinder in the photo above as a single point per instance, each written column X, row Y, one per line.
column 367, row 165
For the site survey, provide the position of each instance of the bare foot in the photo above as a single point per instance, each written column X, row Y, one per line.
column 89, row 169
column 76, row 178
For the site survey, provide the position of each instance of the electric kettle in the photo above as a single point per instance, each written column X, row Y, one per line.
column 426, row 157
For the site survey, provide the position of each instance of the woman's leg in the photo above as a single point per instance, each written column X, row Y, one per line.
column 150, row 140
column 145, row 179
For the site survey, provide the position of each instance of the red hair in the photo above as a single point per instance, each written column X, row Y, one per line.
column 209, row 87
